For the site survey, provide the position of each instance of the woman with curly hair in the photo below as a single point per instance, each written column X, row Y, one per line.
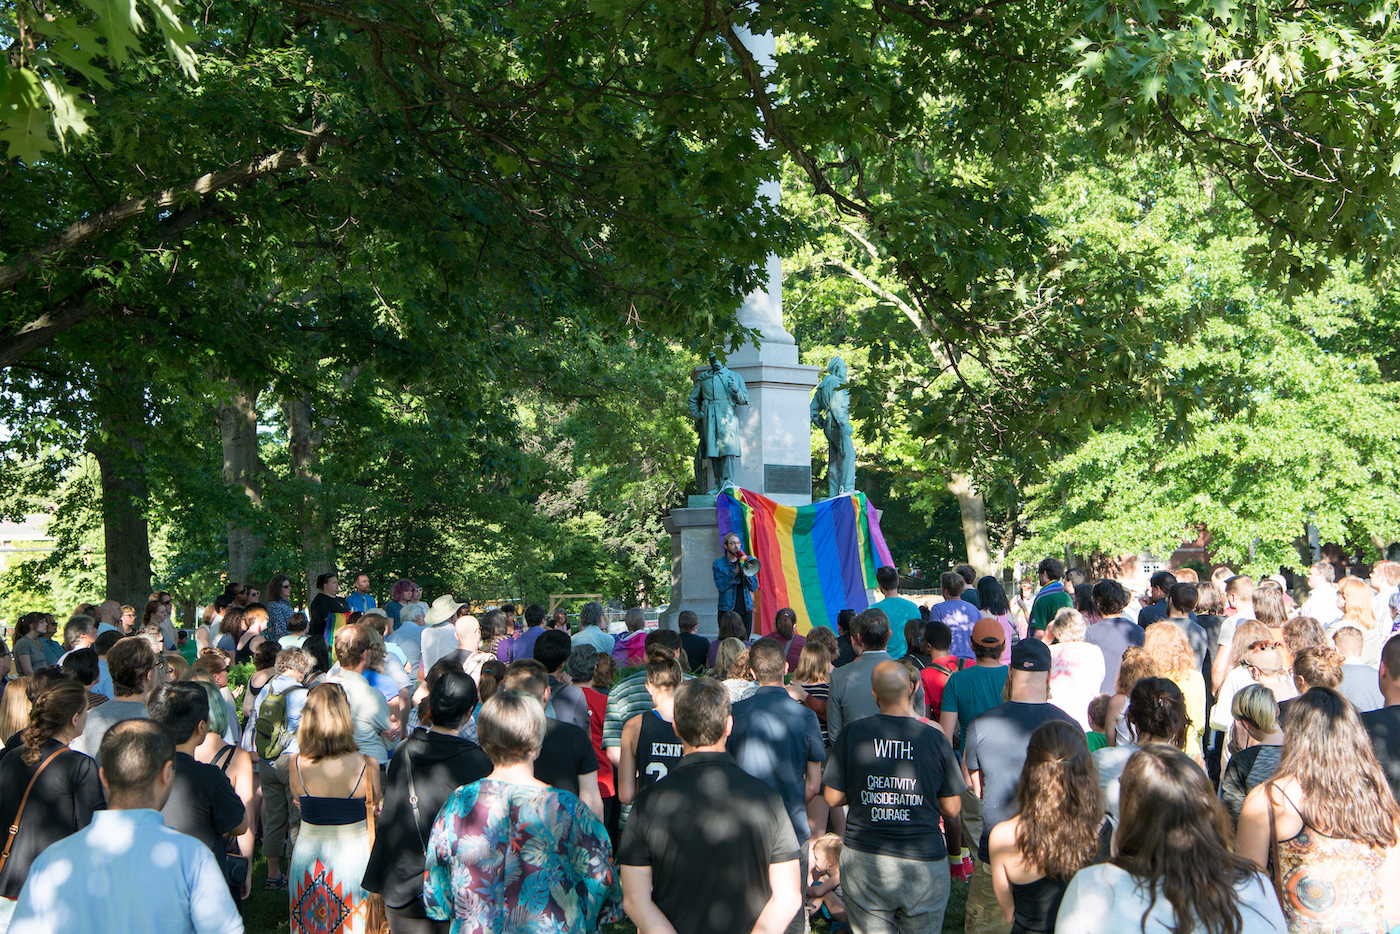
column 1136, row 665
column 1059, row 829
column 1327, row 821
column 1171, row 650
column 1172, row 870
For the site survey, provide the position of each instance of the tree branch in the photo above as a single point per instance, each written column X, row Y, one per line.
column 42, row 329
column 119, row 214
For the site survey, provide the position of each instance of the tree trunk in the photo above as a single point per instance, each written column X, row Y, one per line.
column 238, row 428
column 974, row 523
column 120, row 452
column 317, row 541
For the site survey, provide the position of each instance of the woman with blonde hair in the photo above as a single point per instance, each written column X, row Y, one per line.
column 14, row 708
column 1259, row 740
column 336, row 789
column 739, row 680
column 1076, row 666
column 727, row 650
column 1136, row 665
column 813, row 675
column 1327, row 821
column 1059, row 828
column 1171, row 650
column 1355, row 599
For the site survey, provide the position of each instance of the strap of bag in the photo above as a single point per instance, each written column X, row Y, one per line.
column 1273, row 848
column 223, row 767
column 413, row 798
column 19, row 815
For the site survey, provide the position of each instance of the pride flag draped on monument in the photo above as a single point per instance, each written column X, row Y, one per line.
column 818, row 559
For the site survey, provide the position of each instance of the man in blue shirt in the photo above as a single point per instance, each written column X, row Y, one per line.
column 360, row 599
column 736, row 589
column 127, row 871
column 780, row 741
column 956, row 613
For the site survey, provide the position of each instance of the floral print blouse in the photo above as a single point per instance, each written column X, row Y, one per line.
column 517, row 859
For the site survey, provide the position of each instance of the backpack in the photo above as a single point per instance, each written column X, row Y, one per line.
column 271, row 736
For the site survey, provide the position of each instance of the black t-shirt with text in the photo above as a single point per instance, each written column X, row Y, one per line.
column 893, row 770
column 658, row 749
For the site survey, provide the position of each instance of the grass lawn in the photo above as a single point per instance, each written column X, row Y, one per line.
column 267, row 912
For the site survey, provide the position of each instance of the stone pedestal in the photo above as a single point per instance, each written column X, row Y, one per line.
column 694, row 547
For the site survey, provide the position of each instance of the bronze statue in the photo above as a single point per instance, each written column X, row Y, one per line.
column 712, row 403
column 831, row 412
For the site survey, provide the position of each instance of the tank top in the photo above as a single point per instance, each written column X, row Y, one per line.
column 326, row 811
column 1329, row 883
column 658, row 749
column 1038, row 903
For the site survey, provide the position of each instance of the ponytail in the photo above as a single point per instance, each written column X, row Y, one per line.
column 55, row 709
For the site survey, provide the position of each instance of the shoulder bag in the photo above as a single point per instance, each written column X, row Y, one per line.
column 19, row 815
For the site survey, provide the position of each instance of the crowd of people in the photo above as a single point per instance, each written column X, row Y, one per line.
column 1219, row 756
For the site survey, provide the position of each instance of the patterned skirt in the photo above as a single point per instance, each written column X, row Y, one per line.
column 328, row 865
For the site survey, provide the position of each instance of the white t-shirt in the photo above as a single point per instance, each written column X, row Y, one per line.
column 1105, row 899
column 1221, row 717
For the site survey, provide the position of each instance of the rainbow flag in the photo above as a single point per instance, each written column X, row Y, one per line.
column 818, row 559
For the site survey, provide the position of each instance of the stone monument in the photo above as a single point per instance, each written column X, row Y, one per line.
column 775, row 432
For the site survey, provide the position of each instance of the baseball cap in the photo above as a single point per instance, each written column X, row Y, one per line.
column 988, row 632
column 1030, row 655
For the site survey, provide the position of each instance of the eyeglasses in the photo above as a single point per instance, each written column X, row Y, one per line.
column 166, row 602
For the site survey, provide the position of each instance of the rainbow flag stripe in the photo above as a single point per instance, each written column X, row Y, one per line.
column 818, row 559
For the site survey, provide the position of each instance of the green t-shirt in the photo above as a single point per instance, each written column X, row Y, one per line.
column 1047, row 606
column 972, row 692
column 1096, row 740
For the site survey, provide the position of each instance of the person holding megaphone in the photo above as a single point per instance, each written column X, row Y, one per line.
column 736, row 579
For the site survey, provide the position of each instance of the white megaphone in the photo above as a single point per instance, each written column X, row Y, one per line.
column 750, row 565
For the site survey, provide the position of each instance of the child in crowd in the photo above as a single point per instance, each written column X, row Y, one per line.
column 824, row 894
column 1098, row 715
column 296, row 632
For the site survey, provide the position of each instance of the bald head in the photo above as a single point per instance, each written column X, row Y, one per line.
column 890, row 684
column 110, row 612
column 468, row 632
